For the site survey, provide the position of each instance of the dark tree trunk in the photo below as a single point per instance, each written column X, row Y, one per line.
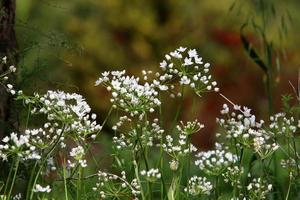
column 8, row 47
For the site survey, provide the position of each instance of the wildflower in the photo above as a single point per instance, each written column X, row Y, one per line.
column 190, row 127
column 129, row 94
column 77, row 153
column 66, row 108
column 188, row 67
column 4, row 59
column 178, row 149
column 151, row 175
column 174, row 165
column 214, row 162
column 258, row 188
column 198, row 186
column 18, row 145
column 116, row 186
column 39, row 188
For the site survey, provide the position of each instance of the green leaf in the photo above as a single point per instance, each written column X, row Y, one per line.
column 251, row 52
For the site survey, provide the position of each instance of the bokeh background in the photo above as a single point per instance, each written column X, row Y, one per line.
column 67, row 44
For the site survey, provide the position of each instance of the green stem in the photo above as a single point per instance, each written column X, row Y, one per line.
column 8, row 179
column 178, row 109
column 136, row 170
column 29, row 188
column 14, row 177
column 289, row 188
column 216, row 188
column 65, row 182
column 296, row 156
column 78, row 194
column 44, row 160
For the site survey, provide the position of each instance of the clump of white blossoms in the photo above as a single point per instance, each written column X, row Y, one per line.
column 246, row 131
column 198, row 186
column 190, row 127
column 283, row 125
column 5, row 75
column 187, row 66
column 214, row 162
column 114, row 186
column 147, row 135
column 78, row 153
column 39, row 188
column 129, row 94
column 71, row 110
column 233, row 175
column 238, row 122
column 178, row 148
column 258, row 188
column 20, row 146
column 151, row 175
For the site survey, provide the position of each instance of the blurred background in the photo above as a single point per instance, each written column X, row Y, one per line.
column 67, row 44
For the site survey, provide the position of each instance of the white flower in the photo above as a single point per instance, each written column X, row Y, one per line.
column 39, row 188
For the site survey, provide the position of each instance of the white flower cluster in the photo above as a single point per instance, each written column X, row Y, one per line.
column 233, row 176
column 39, row 188
column 150, row 133
column 238, row 123
column 78, row 153
column 263, row 144
column 114, row 186
column 190, row 127
column 18, row 145
column 43, row 137
column 198, row 186
column 121, row 121
column 214, row 162
column 5, row 76
column 243, row 127
column 189, row 67
column 17, row 197
column 178, row 149
column 151, row 175
column 129, row 94
column 65, row 108
column 282, row 125
column 291, row 164
column 258, row 189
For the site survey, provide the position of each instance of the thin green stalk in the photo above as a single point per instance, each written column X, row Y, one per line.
column 29, row 186
column 78, row 188
column 136, row 170
column 289, row 188
column 44, row 160
column 188, row 162
column 14, row 177
column 8, row 179
column 216, row 188
column 65, row 181
column 296, row 156
column 178, row 109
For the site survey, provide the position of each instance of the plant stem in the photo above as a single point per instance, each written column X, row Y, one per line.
column 78, row 189
column 216, row 188
column 29, row 188
column 8, row 179
column 44, row 160
column 296, row 156
column 289, row 188
column 136, row 170
column 14, row 177
column 65, row 181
